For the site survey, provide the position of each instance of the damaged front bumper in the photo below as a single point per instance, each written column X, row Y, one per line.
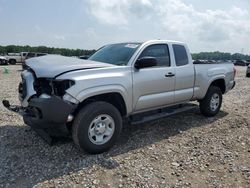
column 45, row 114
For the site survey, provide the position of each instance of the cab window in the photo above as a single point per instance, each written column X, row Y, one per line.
column 180, row 54
column 158, row 51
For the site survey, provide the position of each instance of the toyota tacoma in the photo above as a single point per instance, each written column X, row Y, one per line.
column 135, row 82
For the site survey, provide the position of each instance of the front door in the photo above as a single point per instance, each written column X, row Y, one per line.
column 154, row 87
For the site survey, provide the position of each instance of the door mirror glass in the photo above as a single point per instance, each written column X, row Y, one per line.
column 145, row 62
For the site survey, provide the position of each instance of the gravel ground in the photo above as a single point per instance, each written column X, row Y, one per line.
column 185, row 150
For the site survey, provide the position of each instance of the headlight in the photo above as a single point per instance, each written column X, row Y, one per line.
column 52, row 87
column 69, row 98
column 60, row 86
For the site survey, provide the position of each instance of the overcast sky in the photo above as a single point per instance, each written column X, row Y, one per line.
column 211, row 25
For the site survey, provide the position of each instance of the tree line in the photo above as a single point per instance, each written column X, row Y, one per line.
column 80, row 52
column 43, row 49
column 219, row 56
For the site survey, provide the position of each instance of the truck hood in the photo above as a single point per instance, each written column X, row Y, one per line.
column 50, row 66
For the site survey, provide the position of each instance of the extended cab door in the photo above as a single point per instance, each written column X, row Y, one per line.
column 153, row 87
column 185, row 75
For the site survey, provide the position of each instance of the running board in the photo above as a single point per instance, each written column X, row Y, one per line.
column 162, row 113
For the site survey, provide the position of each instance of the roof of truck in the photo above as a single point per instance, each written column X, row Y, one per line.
column 165, row 41
column 149, row 41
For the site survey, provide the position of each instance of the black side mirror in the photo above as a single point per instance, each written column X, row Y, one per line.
column 145, row 62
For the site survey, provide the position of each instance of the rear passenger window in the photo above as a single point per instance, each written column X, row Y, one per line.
column 158, row 51
column 180, row 54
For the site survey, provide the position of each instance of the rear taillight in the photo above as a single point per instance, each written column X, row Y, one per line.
column 234, row 72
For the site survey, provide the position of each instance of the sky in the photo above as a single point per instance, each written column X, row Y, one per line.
column 212, row 25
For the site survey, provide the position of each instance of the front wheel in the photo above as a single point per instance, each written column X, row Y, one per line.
column 96, row 127
column 210, row 105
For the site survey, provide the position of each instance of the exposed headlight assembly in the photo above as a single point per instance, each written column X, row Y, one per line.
column 60, row 86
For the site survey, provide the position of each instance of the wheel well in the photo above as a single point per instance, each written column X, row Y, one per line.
column 113, row 98
column 12, row 60
column 220, row 83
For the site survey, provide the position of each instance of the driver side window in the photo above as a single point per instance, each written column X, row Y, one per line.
column 158, row 51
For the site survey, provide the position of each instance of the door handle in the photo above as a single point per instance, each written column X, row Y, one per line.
column 170, row 74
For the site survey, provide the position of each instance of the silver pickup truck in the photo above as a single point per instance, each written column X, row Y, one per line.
column 135, row 82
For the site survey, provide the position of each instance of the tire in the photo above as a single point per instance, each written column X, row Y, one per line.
column 12, row 61
column 90, row 125
column 248, row 75
column 210, row 105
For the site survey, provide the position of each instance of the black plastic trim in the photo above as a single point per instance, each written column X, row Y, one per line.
column 49, row 113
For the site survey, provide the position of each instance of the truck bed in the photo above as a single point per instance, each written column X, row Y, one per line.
column 206, row 73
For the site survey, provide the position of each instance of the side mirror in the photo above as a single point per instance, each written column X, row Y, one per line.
column 145, row 62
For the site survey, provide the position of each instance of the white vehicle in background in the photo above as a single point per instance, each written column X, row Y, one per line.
column 3, row 61
column 34, row 54
column 14, row 58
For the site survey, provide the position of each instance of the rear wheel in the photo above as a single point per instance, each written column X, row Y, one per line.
column 97, row 127
column 210, row 105
column 12, row 61
column 248, row 75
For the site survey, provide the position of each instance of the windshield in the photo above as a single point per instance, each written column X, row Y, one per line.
column 116, row 54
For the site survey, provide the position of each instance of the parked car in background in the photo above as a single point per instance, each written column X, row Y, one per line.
column 248, row 71
column 14, row 58
column 240, row 62
column 248, row 62
column 33, row 54
column 3, row 61
column 199, row 61
column 230, row 61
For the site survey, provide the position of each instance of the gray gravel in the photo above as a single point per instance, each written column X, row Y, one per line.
column 185, row 150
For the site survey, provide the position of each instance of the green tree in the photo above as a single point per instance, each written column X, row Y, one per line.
column 43, row 49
